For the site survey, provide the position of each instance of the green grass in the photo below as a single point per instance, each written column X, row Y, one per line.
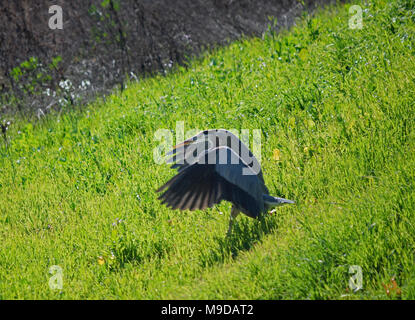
column 338, row 104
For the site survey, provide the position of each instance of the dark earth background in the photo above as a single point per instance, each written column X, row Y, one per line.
column 104, row 42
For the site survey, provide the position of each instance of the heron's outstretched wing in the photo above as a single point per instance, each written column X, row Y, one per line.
column 203, row 184
column 189, row 151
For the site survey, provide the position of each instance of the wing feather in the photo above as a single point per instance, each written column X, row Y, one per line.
column 207, row 140
column 202, row 185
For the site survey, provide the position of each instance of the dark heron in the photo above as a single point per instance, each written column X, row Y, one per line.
column 216, row 165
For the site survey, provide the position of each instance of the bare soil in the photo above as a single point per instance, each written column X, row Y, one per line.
column 103, row 42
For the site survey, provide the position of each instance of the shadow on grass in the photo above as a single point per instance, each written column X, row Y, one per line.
column 245, row 234
column 134, row 252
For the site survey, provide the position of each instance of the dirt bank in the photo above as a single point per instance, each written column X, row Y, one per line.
column 103, row 42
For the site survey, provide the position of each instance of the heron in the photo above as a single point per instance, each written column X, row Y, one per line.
column 215, row 165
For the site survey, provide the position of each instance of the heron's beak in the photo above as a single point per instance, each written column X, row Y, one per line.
column 284, row 201
column 275, row 201
column 281, row 201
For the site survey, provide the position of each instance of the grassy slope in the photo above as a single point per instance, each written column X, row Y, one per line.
column 339, row 105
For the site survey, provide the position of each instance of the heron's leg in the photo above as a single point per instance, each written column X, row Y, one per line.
column 234, row 214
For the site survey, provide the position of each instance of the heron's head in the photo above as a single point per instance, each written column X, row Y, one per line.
column 273, row 202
